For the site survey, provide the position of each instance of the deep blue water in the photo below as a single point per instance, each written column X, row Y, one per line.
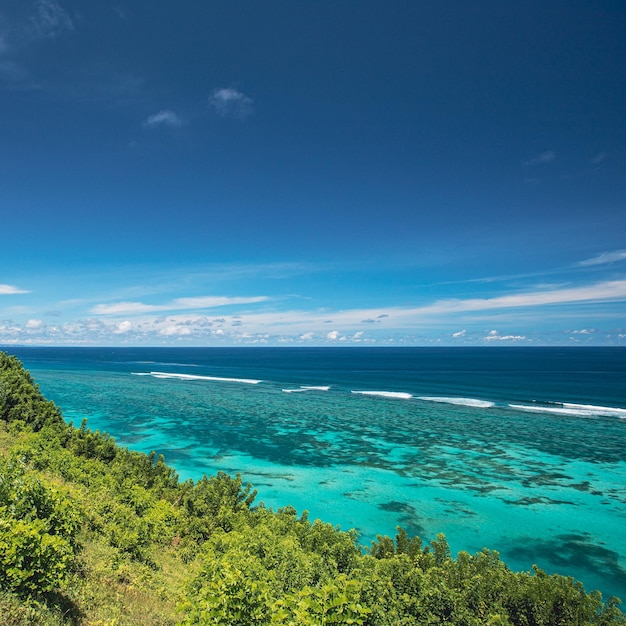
column 521, row 450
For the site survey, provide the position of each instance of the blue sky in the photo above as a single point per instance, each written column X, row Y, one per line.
column 313, row 173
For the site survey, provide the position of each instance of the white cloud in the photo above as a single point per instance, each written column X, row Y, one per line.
column 307, row 336
column 51, row 19
column 333, row 335
column 541, row 159
column 7, row 290
column 229, row 102
column 584, row 331
column 123, row 327
column 163, row 118
column 494, row 335
column 171, row 331
column 604, row 258
column 461, row 333
column 34, row 324
column 179, row 304
column 10, row 331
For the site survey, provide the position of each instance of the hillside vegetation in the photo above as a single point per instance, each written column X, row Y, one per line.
column 92, row 533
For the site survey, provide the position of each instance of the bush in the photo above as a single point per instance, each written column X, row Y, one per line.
column 38, row 528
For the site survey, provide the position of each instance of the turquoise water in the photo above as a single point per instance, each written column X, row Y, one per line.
column 519, row 450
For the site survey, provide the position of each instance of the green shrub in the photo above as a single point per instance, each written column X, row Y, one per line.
column 38, row 528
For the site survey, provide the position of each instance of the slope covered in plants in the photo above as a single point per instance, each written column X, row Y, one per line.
column 93, row 533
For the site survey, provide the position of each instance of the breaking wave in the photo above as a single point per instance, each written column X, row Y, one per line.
column 473, row 402
column 304, row 388
column 386, row 394
column 248, row 381
column 570, row 408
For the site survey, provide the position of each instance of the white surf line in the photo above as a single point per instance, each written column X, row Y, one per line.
column 304, row 388
column 575, row 410
column 552, row 410
column 386, row 394
column 248, row 381
column 472, row 402
column 604, row 411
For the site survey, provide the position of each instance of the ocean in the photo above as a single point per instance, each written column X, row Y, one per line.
column 521, row 450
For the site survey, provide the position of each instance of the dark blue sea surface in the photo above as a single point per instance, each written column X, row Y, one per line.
column 521, row 450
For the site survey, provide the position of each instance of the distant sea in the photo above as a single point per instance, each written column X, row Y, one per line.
column 521, row 450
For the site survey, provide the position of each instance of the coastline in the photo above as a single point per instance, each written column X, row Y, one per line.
column 374, row 462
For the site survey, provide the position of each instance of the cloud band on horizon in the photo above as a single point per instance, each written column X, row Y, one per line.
column 392, row 318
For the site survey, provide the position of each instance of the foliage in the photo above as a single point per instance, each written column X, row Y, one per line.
column 20, row 398
column 281, row 570
column 38, row 527
column 19, row 611
column 93, row 533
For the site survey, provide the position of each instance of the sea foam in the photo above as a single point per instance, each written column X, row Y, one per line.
column 603, row 411
column 304, row 388
column 575, row 410
column 479, row 404
column 386, row 394
column 249, row 381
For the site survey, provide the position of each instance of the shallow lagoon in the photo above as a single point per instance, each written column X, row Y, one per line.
column 435, row 446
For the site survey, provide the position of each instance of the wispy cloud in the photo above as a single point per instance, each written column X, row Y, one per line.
column 541, row 159
column 179, row 304
column 599, row 292
column 598, row 158
column 307, row 324
column 7, row 290
column 46, row 21
column 230, row 102
column 51, row 19
column 494, row 335
column 396, row 318
column 165, row 118
column 134, row 317
column 604, row 258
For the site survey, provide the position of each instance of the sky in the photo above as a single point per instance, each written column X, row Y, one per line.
column 337, row 172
